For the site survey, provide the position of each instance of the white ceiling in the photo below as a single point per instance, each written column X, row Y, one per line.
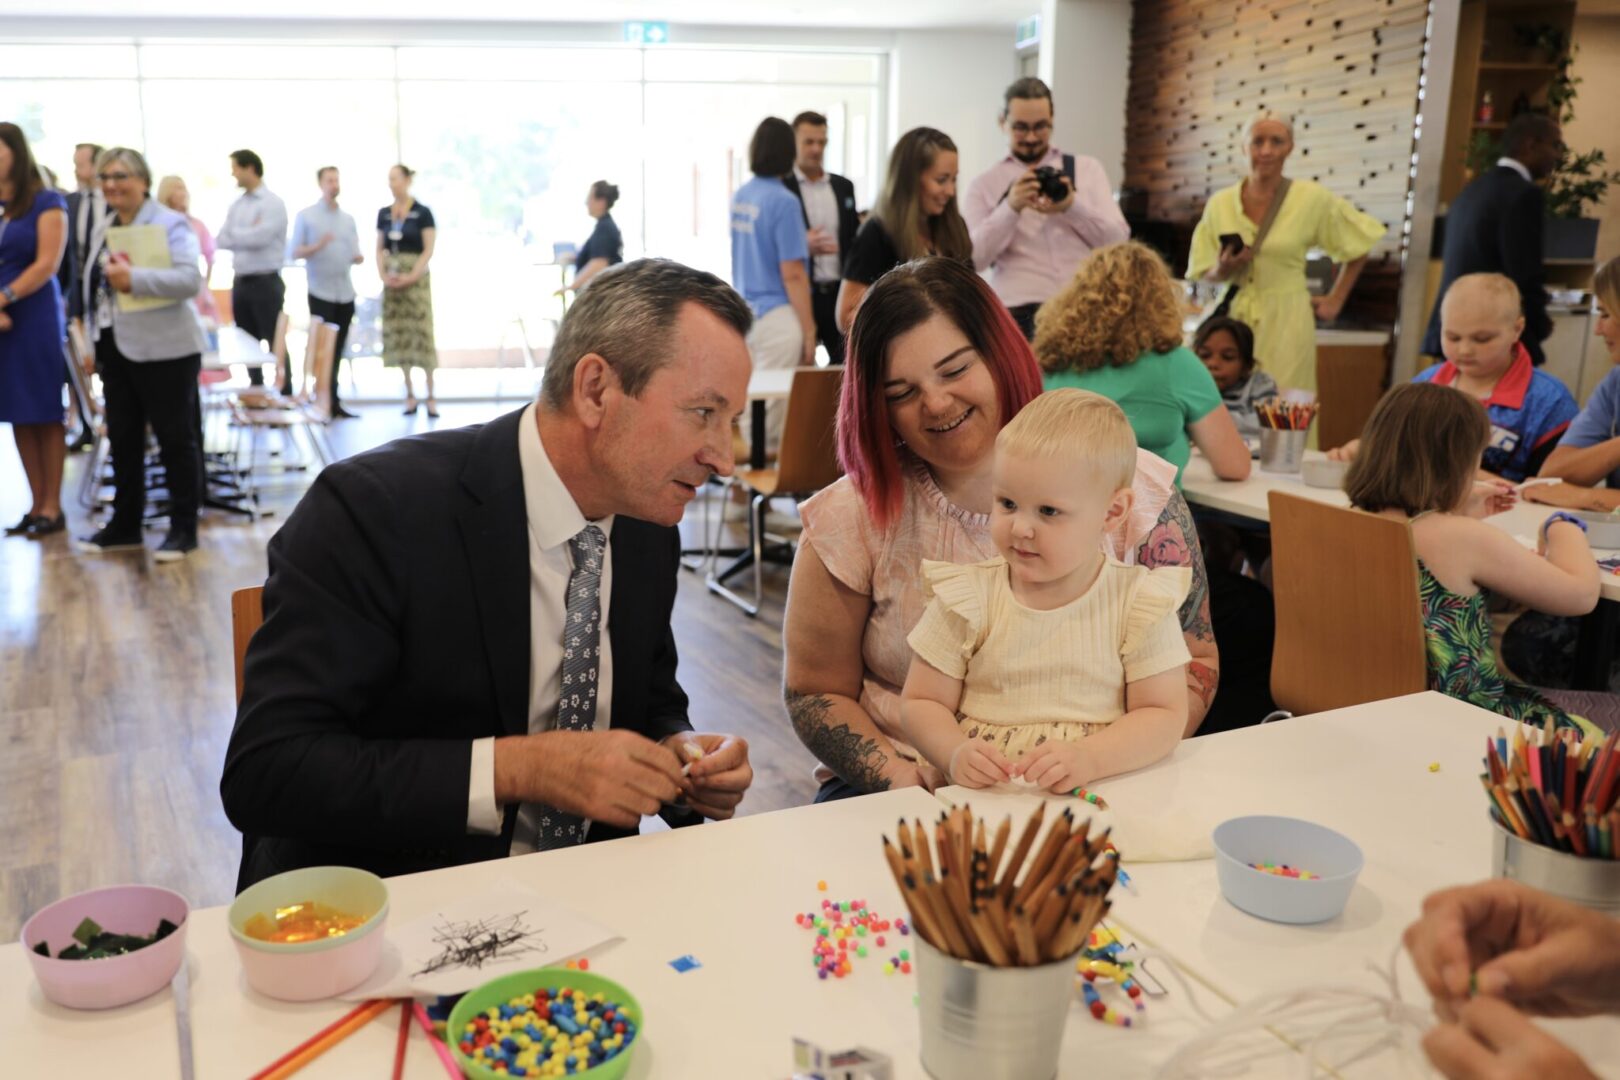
column 855, row 14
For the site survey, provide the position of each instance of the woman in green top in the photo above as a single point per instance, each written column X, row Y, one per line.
column 1116, row 330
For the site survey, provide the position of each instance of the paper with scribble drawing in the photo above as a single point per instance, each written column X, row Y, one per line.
column 466, row 943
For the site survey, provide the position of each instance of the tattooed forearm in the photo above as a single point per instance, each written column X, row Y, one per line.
column 1201, row 680
column 859, row 761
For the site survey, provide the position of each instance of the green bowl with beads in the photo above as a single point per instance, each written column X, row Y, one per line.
column 501, row 991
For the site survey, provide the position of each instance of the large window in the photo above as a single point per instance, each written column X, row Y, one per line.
column 506, row 141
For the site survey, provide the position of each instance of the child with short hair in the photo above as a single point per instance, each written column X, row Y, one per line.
column 1051, row 662
column 1226, row 346
column 1528, row 410
column 1420, row 452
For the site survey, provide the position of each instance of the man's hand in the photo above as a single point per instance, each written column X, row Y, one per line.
column 823, row 242
column 615, row 777
column 1494, row 1041
column 1047, row 206
column 1024, row 191
column 326, row 238
column 118, row 273
column 5, row 322
column 717, row 771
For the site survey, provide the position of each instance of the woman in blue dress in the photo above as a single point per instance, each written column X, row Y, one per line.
column 33, row 228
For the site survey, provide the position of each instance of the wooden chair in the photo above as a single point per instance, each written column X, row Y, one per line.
column 311, row 418
column 806, row 462
column 247, row 612
column 269, row 397
column 1349, row 619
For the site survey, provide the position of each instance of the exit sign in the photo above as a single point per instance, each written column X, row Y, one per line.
column 1028, row 32
column 646, row 33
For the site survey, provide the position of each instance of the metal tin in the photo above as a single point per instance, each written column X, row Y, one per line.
column 1592, row 883
column 1282, row 451
column 991, row 1023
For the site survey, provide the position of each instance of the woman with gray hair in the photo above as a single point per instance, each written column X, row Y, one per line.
column 1254, row 236
column 148, row 347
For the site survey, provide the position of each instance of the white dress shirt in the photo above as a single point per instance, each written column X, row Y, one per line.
column 821, row 208
column 1516, row 166
column 255, row 232
column 554, row 519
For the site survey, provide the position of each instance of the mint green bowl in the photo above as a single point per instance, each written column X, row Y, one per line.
column 499, row 991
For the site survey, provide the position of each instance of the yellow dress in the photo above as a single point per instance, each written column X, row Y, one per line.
column 1273, row 299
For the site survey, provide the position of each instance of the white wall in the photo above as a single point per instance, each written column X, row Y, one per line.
column 1085, row 58
column 953, row 80
column 1597, row 65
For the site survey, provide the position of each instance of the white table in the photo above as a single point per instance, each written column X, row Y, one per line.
column 236, row 346
column 1363, row 771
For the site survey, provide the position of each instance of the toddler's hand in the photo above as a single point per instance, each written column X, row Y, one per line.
column 1054, row 765
column 977, row 764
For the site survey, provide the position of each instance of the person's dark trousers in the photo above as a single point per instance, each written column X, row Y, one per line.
column 1245, row 624
column 256, row 301
column 162, row 393
column 1024, row 316
column 824, row 305
column 837, row 788
column 341, row 315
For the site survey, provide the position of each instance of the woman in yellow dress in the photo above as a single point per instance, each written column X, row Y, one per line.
column 1272, row 298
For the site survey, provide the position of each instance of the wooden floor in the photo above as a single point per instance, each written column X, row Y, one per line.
column 117, row 692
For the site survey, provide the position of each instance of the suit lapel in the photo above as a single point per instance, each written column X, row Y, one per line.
column 495, row 533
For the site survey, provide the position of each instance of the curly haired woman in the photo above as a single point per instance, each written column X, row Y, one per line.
column 1116, row 330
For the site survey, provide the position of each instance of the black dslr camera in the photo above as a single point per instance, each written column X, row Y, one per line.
column 1052, row 185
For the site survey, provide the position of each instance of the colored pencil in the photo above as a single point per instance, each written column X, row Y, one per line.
column 399, row 1043
column 323, row 1040
column 446, row 1058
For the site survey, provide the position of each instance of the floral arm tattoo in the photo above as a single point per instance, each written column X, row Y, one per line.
column 1174, row 542
column 859, row 761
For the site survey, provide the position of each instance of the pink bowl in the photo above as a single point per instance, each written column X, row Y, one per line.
column 312, row 970
column 115, row 980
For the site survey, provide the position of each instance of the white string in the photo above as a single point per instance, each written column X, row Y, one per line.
column 1328, row 1027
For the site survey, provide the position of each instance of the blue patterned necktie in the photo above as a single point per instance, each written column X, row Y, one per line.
column 576, row 708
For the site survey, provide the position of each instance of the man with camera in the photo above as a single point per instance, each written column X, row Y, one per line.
column 1038, row 212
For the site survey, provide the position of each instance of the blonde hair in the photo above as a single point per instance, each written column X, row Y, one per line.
column 1606, row 287
column 166, row 188
column 1075, row 423
column 1498, row 287
column 899, row 208
column 1121, row 303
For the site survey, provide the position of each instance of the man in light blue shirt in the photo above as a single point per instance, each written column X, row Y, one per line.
column 328, row 242
column 770, row 263
column 255, row 234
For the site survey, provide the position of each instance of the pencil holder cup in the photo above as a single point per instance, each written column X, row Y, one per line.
column 1282, row 451
column 991, row 1023
column 1592, row 883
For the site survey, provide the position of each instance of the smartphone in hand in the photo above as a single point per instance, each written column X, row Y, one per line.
column 1232, row 240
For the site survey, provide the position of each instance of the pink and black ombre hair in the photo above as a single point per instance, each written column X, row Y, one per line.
column 903, row 299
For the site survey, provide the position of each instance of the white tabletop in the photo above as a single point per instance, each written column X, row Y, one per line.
column 1247, row 498
column 1363, row 771
column 236, row 346
column 773, row 384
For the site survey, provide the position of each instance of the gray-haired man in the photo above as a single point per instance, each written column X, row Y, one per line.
column 467, row 652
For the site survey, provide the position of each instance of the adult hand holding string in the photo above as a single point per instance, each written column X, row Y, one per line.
column 1492, row 1040
column 1504, row 940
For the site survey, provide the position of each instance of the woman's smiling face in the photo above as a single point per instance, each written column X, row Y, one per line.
column 942, row 399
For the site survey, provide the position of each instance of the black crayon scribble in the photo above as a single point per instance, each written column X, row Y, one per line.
column 484, row 941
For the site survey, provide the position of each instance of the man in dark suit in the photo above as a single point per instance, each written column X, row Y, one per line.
column 1495, row 226
column 829, row 213
column 86, row 206
column 434, row 682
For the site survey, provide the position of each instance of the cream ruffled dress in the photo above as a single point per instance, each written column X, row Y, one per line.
column 1028, row 675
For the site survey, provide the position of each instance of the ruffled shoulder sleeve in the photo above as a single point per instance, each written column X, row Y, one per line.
column 954, row 624
column 1152, row 641
column 838, row 526
column 1344, row 232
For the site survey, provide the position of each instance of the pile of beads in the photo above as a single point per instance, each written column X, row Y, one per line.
column 548, row 1033
column 1283, row 870
column 847, row 930
column 1100, row 959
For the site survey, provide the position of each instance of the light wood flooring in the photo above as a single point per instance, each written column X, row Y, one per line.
column 117, row 691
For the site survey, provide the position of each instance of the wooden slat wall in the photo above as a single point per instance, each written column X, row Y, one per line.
column 1345, row 71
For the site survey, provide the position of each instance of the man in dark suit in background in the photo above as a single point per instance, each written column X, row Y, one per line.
column 829, row 213
column 434, row 682
column 1495, row 226
column 85, row 207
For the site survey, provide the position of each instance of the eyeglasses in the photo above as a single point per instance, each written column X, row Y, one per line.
column 1041, row 127
column 111, row 176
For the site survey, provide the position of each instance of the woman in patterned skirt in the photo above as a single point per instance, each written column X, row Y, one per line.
column 405, row 234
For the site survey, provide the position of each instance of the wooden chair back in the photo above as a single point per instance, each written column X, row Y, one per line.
column 278, row 351
column 1349, row 619
column 247, row 613
column 808, row 457
column 323, row 338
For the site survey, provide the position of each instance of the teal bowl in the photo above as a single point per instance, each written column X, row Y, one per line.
column 498, row 992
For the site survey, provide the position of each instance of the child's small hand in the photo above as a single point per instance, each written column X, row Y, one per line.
column 1491, row 496
column 977, row 764
column 1054, row 765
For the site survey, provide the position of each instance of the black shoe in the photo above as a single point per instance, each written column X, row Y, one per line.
column 110, row 539
column 176, row 546
column 410, row 410
column 22, row 526
column 340, row 413
column 44, row 526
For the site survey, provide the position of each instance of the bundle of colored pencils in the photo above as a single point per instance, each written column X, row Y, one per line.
column 1285, row 415
column 1036, row 907
column 1556, row 789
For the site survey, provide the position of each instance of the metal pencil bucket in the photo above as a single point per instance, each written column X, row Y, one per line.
column 1592, row 883
column 1282, row 450
column 988, row 1023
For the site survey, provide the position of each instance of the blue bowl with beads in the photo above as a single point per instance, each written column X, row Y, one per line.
column 1284, row 869
column 534, row 1017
